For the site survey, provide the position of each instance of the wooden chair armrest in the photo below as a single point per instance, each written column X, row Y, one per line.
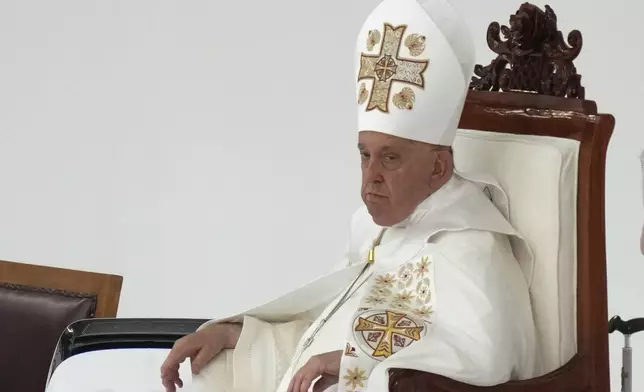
column 405, row 380
column 568, row 378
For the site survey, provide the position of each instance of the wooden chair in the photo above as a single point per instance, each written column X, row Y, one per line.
column 526, row 122
column 37, row 303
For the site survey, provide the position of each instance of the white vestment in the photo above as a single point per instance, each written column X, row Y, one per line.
column 445, row 295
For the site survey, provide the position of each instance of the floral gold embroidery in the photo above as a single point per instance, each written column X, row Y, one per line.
column 373, row 38
column 405, row 99
column 355, row 378
column 405, row 276
column 403, row 298
column 423, row 291
column 380, row 291
column 400, row 305
column 387, row 280
column 375, row 300
column 423, row 312
column 422, row 267
column 416, row 44
column 363, row 94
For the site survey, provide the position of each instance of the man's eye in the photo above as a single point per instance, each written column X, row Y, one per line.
column 391, row 158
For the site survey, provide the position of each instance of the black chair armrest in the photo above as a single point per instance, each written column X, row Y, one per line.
column 629, row 327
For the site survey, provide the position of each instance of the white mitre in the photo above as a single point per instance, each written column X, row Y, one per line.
column 414, row 62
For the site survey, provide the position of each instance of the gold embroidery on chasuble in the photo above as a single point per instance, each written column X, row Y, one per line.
column 394, row 313
column 355, row 378
column 387, row 68
column 380, row 334
column 350, row 351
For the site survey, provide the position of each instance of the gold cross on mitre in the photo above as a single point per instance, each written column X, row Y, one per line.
column 388, row 67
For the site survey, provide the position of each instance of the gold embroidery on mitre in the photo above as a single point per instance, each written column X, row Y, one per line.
column 355, row 378
column 387, row 68
column 404, row 99
column 373, row 38
column 381, row 333
column 416, row 44
column 363, row 94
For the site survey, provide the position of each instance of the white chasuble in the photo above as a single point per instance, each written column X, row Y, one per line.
column 446, row 294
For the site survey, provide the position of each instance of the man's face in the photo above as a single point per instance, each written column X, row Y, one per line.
column 398, row 174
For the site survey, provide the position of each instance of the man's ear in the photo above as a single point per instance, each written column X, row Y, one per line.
column 442, row 168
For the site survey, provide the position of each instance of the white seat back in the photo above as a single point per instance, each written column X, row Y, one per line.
column 539, row 175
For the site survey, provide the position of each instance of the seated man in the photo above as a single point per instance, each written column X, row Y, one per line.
column 430, row 281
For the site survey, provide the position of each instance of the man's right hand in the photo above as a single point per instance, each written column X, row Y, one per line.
column 201, row 347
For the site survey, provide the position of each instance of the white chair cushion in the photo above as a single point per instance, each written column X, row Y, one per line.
column 115, row 370
column 539, row 175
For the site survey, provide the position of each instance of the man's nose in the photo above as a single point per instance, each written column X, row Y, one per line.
column 373, row 172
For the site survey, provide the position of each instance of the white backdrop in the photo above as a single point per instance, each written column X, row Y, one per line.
column 205, row 150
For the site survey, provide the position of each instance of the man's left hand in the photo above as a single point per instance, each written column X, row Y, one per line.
column 326, row 365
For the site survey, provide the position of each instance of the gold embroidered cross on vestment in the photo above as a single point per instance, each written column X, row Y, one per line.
column 383, row 331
